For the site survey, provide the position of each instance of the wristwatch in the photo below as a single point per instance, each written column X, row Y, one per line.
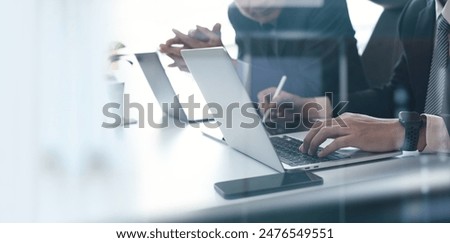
column 412, row 122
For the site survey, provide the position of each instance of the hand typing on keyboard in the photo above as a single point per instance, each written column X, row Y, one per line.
column 287, row 149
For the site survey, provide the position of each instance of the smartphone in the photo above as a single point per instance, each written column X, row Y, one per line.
column 266, row 184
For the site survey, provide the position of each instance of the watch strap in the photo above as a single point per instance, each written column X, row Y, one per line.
column 411, row 138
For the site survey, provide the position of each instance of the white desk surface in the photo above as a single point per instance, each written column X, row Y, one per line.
column 171, row 172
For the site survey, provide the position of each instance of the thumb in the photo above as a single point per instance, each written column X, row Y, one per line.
column 216, row 28
column 266, row 92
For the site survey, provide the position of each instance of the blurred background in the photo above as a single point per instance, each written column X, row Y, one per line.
column 134, row 16
column 57, row 162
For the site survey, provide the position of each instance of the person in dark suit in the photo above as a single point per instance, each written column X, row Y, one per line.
column 419, row 85
column 302, row 43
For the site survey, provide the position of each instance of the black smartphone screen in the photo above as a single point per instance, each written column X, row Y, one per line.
column 266, row 184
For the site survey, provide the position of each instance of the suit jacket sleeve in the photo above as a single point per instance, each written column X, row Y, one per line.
column 386, row 101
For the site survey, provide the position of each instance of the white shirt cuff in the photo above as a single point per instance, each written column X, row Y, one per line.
column 438, row 139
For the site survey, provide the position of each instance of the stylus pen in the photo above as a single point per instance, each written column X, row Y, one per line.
column 277, row 92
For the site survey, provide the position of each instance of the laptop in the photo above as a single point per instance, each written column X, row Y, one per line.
column 240, row 123
column 164, row 92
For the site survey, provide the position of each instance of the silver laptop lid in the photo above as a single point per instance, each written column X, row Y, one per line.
column 160, row 84
column 213, row 70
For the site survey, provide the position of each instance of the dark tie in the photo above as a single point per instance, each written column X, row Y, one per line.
column 438, row 74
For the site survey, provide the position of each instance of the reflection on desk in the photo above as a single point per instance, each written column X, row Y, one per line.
column 415, row 189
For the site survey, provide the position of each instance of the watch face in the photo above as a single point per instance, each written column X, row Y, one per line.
column 407, row 116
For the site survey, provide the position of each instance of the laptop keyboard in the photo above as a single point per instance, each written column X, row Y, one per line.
column 287, row 149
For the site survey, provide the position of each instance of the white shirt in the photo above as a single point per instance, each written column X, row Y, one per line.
column 438, row 139
column 444, row 10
